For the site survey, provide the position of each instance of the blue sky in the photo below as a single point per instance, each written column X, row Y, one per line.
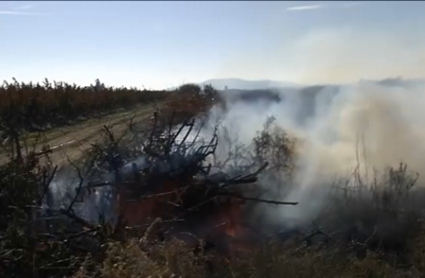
column 164, row 44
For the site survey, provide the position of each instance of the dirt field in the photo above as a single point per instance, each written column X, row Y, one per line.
column 72, row 141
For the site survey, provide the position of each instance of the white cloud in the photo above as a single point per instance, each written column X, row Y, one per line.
column 303, row 8
column 19, row 13
column 13, row 13
column 21, row 10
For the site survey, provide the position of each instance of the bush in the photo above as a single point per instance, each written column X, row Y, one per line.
column 190, row 100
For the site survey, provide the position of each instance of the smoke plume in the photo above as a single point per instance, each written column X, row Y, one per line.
column 366, row 125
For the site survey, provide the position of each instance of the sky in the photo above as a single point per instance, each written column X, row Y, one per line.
column 165, row 44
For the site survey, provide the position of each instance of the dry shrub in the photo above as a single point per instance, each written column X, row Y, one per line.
column 275, row 146
column 138, row 258
column 24, row 247
column 294, row 260
column 382, row 215
column 174, row 259
column 128, row 260
column 416, row 251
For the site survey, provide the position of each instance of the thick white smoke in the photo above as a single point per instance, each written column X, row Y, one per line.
column 367, row 125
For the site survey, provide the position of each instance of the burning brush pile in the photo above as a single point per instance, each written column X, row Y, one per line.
column 166, row 173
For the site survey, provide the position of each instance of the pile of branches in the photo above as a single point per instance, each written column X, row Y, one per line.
column 175, row 182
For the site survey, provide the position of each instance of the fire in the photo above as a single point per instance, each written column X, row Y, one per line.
column 230, row 215
column 219, row 220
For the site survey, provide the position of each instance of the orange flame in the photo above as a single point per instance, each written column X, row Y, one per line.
column 226, row 219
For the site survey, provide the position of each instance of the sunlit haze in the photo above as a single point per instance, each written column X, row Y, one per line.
column 165, row 44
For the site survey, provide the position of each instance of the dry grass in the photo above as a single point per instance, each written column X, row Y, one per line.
column 174, row 259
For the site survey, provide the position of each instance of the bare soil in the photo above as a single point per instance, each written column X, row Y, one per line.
column 70, row 142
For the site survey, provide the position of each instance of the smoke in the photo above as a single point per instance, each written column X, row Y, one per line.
column 368, row 125
column 98, row 204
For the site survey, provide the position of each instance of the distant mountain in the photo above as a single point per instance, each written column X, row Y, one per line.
column 401, row 82
column 241, row 84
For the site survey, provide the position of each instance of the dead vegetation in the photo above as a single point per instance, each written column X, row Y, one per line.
column 177, row 209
